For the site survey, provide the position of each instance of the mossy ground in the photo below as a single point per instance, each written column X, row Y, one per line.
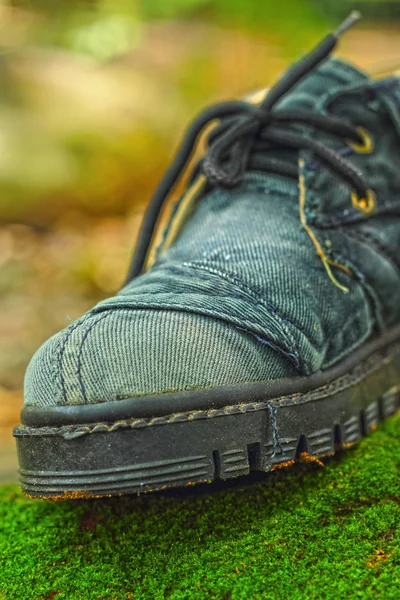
column 305, row 532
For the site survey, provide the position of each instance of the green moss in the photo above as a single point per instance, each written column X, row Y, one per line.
column 305, row 532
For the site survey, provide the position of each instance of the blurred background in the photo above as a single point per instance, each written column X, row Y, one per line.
column 94, row 96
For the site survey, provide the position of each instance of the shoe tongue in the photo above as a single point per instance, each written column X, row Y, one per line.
column 329, row 77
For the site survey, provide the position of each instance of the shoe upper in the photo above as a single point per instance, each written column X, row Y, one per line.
column 276, row 277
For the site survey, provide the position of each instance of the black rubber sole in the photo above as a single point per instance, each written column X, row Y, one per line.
column 252, row 432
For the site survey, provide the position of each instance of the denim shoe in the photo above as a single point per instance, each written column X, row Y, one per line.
column 266, row 322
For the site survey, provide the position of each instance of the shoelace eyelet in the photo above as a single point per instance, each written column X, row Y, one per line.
column 366, row 205
column 367, row 144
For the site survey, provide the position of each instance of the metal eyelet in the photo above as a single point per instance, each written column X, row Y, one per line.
column 367, row 144
column 366, row 205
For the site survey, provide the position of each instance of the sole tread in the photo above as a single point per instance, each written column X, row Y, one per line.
column 189, row 451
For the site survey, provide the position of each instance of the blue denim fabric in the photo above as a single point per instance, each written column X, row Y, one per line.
column 243, row 295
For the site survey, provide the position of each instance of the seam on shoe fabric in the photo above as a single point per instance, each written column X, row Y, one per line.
column 80, row 351
column 268, row 305
column 361, row 338
column 243, row 285
column 369, row 292
column 286, row 353
column 362, row 277
column 55, row 371
column 369, row 240
column 63, row 346
column 327, row 263
column 358, row 279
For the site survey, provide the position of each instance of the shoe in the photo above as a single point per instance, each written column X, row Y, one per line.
column 266, row 323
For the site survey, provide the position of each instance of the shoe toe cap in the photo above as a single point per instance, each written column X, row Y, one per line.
column 118, row 353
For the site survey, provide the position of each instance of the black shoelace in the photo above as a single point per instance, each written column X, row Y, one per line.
column 244, row 138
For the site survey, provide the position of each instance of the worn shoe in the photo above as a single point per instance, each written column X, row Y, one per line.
column 265, row 325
